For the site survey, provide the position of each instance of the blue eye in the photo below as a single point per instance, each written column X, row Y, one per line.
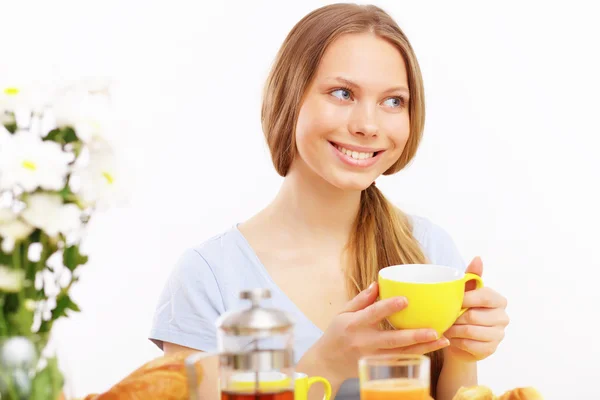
column 394, row 102
column 342, row 94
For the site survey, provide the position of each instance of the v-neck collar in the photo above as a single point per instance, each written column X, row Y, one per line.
column 265, row 273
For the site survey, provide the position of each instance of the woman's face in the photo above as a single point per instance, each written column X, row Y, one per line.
column 354, row 122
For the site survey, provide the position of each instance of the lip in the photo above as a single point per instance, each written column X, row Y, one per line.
column 365, row 163
column 360, row 149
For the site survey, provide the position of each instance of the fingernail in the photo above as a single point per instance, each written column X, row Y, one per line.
column 444, row 342
column 401, row 301
column 370, row 288
column 432, row 335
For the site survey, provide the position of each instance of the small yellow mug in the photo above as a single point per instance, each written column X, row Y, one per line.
column 435, row 294
column 277, row 380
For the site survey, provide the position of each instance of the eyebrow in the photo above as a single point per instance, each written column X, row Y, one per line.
column 354, row 85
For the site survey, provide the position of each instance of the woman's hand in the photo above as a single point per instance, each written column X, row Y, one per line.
column 355, row 332
column 477, row 333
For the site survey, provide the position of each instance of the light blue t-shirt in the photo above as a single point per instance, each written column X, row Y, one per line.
column 207, row 280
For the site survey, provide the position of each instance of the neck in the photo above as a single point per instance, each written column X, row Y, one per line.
column 308, row 204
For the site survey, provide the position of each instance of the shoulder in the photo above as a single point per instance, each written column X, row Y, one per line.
column 210, row 254
column 225, row 261
column 437, row 244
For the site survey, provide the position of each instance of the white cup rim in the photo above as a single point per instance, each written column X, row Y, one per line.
column 421, row 273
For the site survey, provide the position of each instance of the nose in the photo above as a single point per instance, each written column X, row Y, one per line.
column 363, row 121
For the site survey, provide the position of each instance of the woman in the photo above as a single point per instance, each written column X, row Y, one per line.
column 343, row 104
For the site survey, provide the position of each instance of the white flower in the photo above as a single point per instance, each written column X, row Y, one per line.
column 18, row 354
column 26, row 94
column 88, row 114
column 18, row 100
column 46, row 279
column 47, row 212
column 96, row 177
column 11, row 97
column 29, row 162
column 11, row 280
column 13, row 231
column 6, row 215
column 46, row 307
column 34, row 252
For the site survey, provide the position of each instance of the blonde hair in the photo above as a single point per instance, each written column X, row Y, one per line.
column 382, row 234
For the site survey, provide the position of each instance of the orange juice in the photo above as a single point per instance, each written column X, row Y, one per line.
column 394, row 389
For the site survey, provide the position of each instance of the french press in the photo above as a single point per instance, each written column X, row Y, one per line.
column 256, row 351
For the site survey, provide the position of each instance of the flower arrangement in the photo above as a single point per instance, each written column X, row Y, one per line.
column 57, row 168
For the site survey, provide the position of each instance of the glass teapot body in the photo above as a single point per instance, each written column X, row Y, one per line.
column 256, row 351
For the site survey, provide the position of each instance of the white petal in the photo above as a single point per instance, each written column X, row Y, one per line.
column 15, row 230
column 29, row 162
column 6, row 215
column 30, row 305
column 39, row 280
column 34, row 252
column 55, row 261
column 65, row 278
column 43, row 211
column 11, row 280
column 8, row 245
column 18, row 353
column 50, row 287
column 70, row 218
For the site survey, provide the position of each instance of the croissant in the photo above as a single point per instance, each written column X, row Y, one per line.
column 525, row 393
column 162, row 378
column 474, row 393
column 485, row 393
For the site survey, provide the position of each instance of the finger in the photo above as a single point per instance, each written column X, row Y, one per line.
column 475, row 267
column 404, row 338
column 379, row 310
column 475, row 332
column 474, row 347
column 421, row 348
column 363, row 299
column 484, row 317
column 484, row 297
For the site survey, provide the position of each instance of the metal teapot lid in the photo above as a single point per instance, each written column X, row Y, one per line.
column 256, row 320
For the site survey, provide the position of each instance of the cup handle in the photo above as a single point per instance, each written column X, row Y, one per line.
column 326, row 385
column 478, row 285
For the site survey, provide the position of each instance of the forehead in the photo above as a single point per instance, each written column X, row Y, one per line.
column 364, row 58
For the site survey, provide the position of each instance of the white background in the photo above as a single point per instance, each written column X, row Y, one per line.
column 508, row 165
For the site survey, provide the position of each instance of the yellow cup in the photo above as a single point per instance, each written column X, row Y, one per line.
column 277, row 380
column 434, row 292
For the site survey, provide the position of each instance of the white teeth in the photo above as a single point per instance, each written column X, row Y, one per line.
column 355, row 154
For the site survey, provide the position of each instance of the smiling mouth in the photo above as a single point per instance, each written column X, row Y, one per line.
column 357, row 155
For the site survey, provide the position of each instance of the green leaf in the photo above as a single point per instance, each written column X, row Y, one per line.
column 45, row 327
column 5, row 259
column 11, row 303
column 72, row 258
column 20, row 322
column 63, row 303
column 11, row 127
column 67, row 195
column 69, row 135
column 63, row 135
column 54, row 135
column 47, row 383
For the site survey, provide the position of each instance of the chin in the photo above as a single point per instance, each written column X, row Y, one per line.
column 350, row 183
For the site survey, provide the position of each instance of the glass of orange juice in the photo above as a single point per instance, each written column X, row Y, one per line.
column 394, row 377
